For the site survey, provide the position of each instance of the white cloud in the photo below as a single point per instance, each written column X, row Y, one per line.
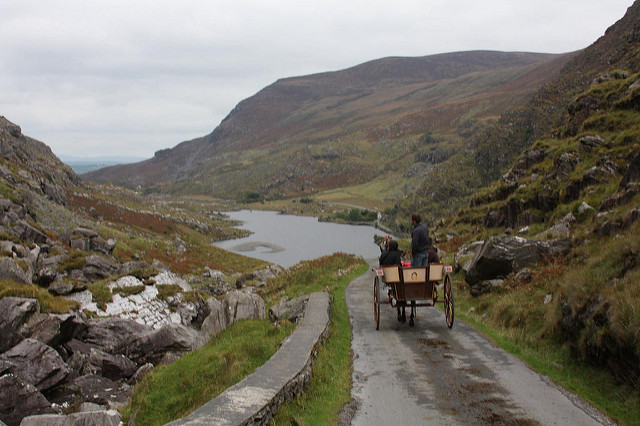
column 94, row 77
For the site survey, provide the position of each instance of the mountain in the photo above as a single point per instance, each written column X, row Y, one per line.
column 305, row 134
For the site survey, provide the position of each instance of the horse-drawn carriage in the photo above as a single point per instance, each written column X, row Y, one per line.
column 413, row 286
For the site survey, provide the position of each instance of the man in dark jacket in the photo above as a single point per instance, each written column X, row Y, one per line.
column 419, row 241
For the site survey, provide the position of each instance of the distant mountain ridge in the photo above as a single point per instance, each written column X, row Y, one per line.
column 341, row 113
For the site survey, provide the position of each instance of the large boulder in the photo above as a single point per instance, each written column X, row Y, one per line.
column 19, row 399
column 35, row 363
column 290, row 310
column 214, row 323
column 45, row 328
column 11, row 269
column 242, row 304
column 111, row 334
column 153, row 346
column 502, row 255
column 14, row 313
column 99, row 267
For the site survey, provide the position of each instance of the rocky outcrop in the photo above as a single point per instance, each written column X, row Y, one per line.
column 502, row 255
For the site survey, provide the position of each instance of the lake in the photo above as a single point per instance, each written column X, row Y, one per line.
column 286, row 239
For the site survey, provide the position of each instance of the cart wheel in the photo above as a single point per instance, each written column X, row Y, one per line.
column 448, row 301
column 376, row 302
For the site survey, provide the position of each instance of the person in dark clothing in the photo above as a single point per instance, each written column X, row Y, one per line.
column 433, row 253
column 419, row 241
column 393, row 256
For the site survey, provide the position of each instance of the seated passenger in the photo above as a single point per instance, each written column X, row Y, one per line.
column 433, row 253
column 393, row 256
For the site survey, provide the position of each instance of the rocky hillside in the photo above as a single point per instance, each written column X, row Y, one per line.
column 305, row 134
column 570, row 201
column 99, row 284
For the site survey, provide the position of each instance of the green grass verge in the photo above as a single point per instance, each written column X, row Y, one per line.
column 594, row 385
column 330, row 387
column 172, row 391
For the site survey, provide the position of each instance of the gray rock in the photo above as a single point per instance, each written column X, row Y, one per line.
column 35, row 363
column 560, row 230
column 46, row 276
column 98, row 267
column 10, row 269
column 112, row 333
column 592, row 141
column 28, row 233
column 152, row 346
column 632, row 173
column 140, row 373
column 45, row 420
column 584, row 208
column 114, row 367
column 45, row 328
column 99, row 417
column 14, row 314
column 61, row 288
column 100, row 390
column 485, row 287
column 290, row 310
column 500, row 256
column 215, row 322
column 128, row 267
column 19, row 399
column 241, row 304
column 462, row 259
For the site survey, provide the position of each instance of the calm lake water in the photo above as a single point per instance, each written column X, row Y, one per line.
column 286, row 240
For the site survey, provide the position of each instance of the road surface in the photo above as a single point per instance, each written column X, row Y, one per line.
column 430, row 374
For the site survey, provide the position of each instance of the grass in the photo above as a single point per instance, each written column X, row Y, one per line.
column 330, row 387
column 522, row 330
column 101, row 294
column 173, row 391
column 48, row 302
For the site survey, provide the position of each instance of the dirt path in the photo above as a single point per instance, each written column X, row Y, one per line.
column 429, row 374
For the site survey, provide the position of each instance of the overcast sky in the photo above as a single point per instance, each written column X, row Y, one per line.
column 127, row 78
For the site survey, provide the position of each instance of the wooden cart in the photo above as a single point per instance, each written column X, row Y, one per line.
column 413, row 286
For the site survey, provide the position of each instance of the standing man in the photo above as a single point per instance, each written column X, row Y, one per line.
column 419, row 241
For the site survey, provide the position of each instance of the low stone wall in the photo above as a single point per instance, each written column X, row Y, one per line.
column 257, row 397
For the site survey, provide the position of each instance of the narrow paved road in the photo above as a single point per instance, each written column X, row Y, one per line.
column 429, row 374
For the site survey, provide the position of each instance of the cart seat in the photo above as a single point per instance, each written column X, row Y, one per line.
column 435, row 271
column 391, row 274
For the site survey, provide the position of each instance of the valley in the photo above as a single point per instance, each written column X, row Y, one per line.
column 503, row 153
